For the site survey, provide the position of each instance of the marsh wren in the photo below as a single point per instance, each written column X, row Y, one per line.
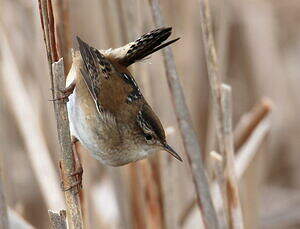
column 107, row 111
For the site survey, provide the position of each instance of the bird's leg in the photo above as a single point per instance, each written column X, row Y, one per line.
column 66, row 92
column 78, row 171
column 69, row 89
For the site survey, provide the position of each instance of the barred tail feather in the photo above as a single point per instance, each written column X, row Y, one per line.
column 147, row 44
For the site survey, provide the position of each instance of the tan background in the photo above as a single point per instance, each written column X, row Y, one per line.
column 258, row 44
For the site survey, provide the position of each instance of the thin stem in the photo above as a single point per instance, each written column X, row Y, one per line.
column 246, row 154
column 249, row 122
column 62, row 25
column 57, row 76
column 215, row 84
column 221, row 100
column 233, row 199
column 67, row 157
column 217, row 162
column 242, row 161
column 213, row 68
column 189, row 137
column 58, row 220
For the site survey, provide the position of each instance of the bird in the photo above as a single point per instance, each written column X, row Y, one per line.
column 107, row 111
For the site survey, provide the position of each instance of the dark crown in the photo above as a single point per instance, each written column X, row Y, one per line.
column 150, row 123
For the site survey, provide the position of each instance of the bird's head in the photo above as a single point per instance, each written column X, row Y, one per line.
column 152, row 133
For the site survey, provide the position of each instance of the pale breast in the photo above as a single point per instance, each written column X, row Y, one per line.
column 80, row 125
column 94, row 134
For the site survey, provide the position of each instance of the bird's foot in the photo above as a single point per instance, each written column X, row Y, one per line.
column 66, row 93
column 77, row 173
column 64, row 98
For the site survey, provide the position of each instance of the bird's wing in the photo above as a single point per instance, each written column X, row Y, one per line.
column 111, row 87
column 96, row 66
column 143, row 46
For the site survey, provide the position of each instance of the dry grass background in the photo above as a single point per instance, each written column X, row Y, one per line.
column 258, row 47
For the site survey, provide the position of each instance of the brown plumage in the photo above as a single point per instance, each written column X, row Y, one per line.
column 107, row 111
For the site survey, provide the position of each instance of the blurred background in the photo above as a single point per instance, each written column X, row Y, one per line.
column 258, row 46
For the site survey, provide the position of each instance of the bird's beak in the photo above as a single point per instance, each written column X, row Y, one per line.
column 172, row 152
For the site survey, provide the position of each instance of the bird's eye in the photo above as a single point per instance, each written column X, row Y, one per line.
column 148, row 137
